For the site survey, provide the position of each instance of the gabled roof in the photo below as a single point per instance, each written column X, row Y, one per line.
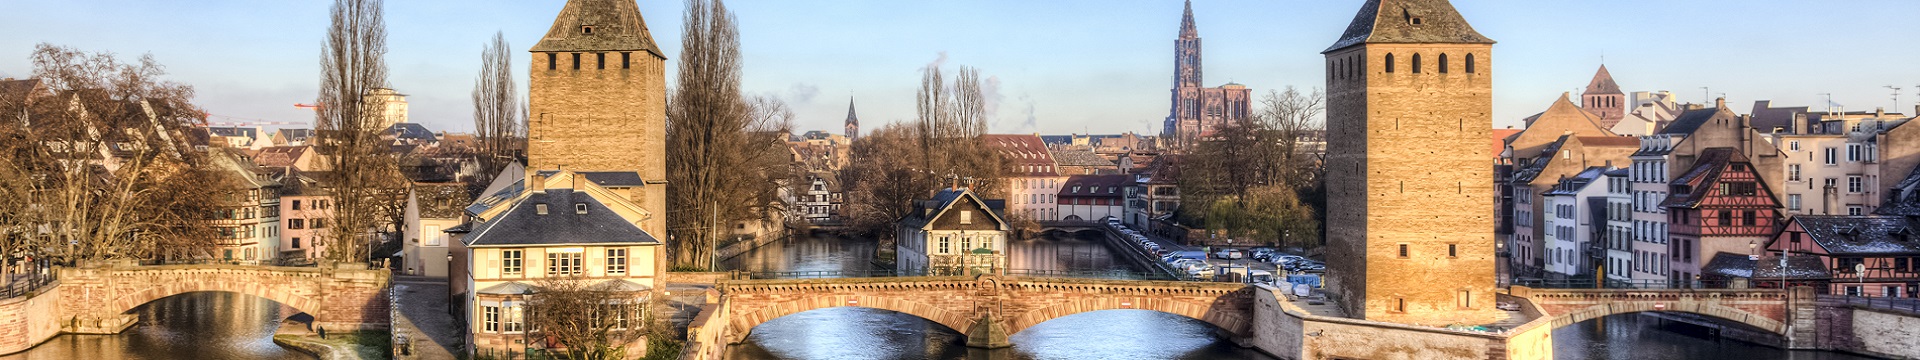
column 616, row 26
column 1904, row 197
column 1394, row 21
column 919, row 218
column 1071, row 157
column 1023, row 151
column 561, row 225
column 1573, row 185
column 411, row 131
column 1872, row 235
column 1690, row 121
column 1603, row 83
column 18, row 91
column 1713, row 162
column 1110, row 186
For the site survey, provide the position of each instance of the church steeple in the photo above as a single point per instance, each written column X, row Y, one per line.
column 853, row 122
column 1187, row 31
column 599, row 25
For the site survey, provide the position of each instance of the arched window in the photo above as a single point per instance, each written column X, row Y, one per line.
column 1443, row 63
column 1416, row 63
column 1330, row 70
column 1389, row 62
column 1469, row 63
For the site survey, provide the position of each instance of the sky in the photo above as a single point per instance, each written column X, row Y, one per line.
column 1053, row 67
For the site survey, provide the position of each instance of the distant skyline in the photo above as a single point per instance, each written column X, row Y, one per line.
column 1060, row 67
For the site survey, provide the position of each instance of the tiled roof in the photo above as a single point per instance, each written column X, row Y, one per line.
column 1070, row 157
column 1603, row 83
column 944, row 199
column 616, row 26
column 1394, row 21
column 1862, row 235
column 1613, row 141
column 1500, row 139
column 1712, row 162
column 523, row 225
column 1025, row 152
column 17, row 91
column 441, row 200
column 1110, row 186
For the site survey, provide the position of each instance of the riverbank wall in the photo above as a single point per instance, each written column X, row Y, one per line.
column 743, row 246
column 1136, row 254
column 1285, row 330
column 29, row 319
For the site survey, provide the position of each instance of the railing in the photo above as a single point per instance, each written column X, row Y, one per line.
column 23, row 284
column 831, row 274
column 1908, row 305
column 1620, row 284
column 835, row 274
column 1090, row 274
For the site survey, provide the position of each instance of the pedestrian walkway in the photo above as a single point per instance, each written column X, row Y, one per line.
column 424, row 328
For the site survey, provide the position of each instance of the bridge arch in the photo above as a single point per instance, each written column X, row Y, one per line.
column 339, row 298
column 1714, row 311
column 1227, row 318
column 743, row 323
column 128, row 300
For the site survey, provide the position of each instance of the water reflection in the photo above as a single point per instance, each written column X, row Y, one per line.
column 198, row 325
column 815, row 253
column 1065, row 253
column 1641, row 336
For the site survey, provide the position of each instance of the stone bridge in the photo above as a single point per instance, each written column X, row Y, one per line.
column 1764, row 309
column 987, row 308
column 96, row 299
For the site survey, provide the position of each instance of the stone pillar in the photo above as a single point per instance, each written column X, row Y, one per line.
column 1802, row 318
column 354, row 300
column 988, row 332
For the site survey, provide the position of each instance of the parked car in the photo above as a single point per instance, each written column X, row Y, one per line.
column 1229, row 253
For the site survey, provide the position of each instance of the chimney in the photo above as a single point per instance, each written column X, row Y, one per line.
column 536, row 183
column 1799, row 123
column 1720, row 102
column 579, row 181
column 1879, row 111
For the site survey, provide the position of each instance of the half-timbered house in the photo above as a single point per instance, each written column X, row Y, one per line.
column 1873, row 255
column 1720, row 205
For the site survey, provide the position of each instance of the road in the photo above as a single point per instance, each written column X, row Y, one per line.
column 1169, row 244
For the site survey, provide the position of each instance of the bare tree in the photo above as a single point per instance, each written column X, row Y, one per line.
column 899, row 163
column 352, row 66
column 1256, row 176
column 591, row 322
column 499, row 115
column 726, row 158
column 95, row 169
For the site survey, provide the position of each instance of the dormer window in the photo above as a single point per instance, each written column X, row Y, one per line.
column 540, row 209
column 1415, row 20
column 580, row 208
column 586, row 30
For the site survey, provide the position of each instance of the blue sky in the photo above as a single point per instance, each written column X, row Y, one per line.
column 1061, row 66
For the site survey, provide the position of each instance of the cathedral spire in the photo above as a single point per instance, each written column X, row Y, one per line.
column 853, row 121
column 1186, row 23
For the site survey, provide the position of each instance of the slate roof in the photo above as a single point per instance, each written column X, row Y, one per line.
column 1727, row 265
column 17, row 91
column 1799, row 267
column 1868, row 235
column 617, row 26
column 489, row 200
column 507, row 288
column 232, row 131
column 1690, row 121
column 606, row 178
column 291, row 135
column 1603, row 83
column 522, row 225
column 944, row 199
column 1391, row 21
column 1580, row 181
column 1712, row 162
column 411, row 131
column 1904, row 197
column 1107, row 186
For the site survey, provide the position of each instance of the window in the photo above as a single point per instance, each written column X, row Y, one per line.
column 433, row 234
column 586, row 30
column 1854, row 290
column 1793, row 202
column 600, row 61
column 1453, row 250
column 296, row 224
column 320, row 223
column 946, row 245
column 1466, row 299
column 490, row 318
column 516, row 319
column 1469, row 63
column 320, row 204
column 1793, row 172
column 1855, row 210
column 1443, row 63
column 616, row 261
column 540, row 209
column 624, row 64
column 1853, row 152
column 1403, row 250
column 553, row 61
column 576, row 61
column 1416, row 63
column 1833, row 156
column 1399, row 304
column 1747, row 218
column 1389, row 62
column 580, row 208
column 296, row 204
column 296, row 243
column 966, row 217
column 563, row 263
column 1793, row 145
column 510, row 261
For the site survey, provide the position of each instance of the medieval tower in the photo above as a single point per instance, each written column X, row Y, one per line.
column 1603, row 99
column 1410, row 190
column 597, row 100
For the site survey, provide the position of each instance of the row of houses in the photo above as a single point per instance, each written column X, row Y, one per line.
column 1706, row 195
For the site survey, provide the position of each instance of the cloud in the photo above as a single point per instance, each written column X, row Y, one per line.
column 990, row 95
column 802, row 93
column 1032, row 123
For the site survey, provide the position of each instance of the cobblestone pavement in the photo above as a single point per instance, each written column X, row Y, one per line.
column 424, row 320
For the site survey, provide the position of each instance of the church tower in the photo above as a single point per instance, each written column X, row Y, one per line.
column 597, row 100
column 853, row 122
column 1185, row 110
column 1604, row 100
column 1409, row 112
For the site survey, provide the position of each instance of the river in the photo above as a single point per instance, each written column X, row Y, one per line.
column 864, row 333
column 191, row 326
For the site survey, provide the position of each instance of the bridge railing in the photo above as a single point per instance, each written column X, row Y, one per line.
column 1621, row 284
column 1906, row 305
column 833, row 274
column 23, row 284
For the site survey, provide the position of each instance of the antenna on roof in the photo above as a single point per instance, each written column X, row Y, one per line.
column 1706, row 95
column 1896, row 95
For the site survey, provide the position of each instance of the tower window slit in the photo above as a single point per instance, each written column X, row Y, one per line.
column 600, row 60
column 1416, row 63
column 576, row 61
column 1443, row 63
column 624, row 64
column 553, row 61
column 1389, row 62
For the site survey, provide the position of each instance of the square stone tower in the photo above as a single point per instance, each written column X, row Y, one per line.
column 598, row 99
column 1410, row 186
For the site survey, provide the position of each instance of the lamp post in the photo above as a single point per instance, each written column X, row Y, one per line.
column 526, row 328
